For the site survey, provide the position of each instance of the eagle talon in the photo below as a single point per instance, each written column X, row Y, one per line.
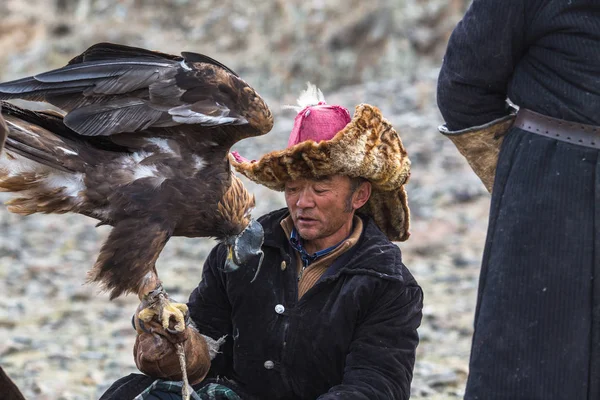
column 160, row 307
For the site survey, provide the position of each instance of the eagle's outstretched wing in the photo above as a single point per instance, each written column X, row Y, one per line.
column 112, row 89
column 142, row 146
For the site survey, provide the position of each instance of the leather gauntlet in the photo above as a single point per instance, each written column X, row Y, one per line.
column 155, row 354
column 480, row 145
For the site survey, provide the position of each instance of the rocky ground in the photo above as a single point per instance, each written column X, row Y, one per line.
column 62, row 339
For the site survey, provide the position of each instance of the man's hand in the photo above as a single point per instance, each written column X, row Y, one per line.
column 155, row 353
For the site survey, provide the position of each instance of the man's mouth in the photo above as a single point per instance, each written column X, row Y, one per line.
column 305, row 220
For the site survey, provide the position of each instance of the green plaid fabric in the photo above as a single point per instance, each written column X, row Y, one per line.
column 172, row 389
column 214, row 391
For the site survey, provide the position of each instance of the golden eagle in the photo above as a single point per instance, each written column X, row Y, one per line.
column 143, row 146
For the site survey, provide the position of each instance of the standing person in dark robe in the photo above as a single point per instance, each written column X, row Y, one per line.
column 537, row 322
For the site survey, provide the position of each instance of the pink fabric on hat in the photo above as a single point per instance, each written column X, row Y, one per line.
column 320, row 122
column 239, row 158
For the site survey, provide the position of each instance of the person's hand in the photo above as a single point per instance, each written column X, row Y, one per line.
column 155, row 351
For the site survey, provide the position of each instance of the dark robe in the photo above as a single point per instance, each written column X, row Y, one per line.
column 537, row 325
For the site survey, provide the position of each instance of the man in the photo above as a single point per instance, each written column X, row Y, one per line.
column 333, row 312
column 537, row 323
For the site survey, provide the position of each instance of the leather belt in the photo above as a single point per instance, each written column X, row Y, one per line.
column 565, row 131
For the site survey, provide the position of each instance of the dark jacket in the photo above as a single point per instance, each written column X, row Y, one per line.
column 544, row 55
column 353, row 335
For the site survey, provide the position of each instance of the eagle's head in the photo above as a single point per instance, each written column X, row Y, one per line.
column 245, row 240
column 244, row 247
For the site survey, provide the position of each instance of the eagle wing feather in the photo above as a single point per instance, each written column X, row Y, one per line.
column 111, row 89
column 142, row 147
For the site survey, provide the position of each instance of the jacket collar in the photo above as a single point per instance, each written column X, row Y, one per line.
column 374, row 254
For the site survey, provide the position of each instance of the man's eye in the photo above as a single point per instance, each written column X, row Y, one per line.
column 320, row 190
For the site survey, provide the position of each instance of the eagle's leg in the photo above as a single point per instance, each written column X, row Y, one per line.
column 127, row 263
column 156, row 303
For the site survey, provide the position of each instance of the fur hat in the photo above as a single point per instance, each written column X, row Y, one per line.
column 325, row 141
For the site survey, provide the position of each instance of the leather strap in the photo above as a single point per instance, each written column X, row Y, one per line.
column 565, row 131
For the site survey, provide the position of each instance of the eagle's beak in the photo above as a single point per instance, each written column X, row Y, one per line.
column 246, row 246
column 230, row 264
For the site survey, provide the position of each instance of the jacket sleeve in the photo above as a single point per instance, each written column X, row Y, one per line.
column 482, row 53
column 210, row 311
column 379, row 365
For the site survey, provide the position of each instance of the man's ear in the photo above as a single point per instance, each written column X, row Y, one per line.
column 361, row 195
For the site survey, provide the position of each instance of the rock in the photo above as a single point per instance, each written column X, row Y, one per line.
column 442, row 379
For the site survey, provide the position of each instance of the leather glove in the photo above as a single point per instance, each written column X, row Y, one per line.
column 155, row 352
column 480, row 145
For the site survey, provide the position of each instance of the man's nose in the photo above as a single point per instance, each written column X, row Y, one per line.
column 305, row 200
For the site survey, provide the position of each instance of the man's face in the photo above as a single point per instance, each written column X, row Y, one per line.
column 320, row 208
